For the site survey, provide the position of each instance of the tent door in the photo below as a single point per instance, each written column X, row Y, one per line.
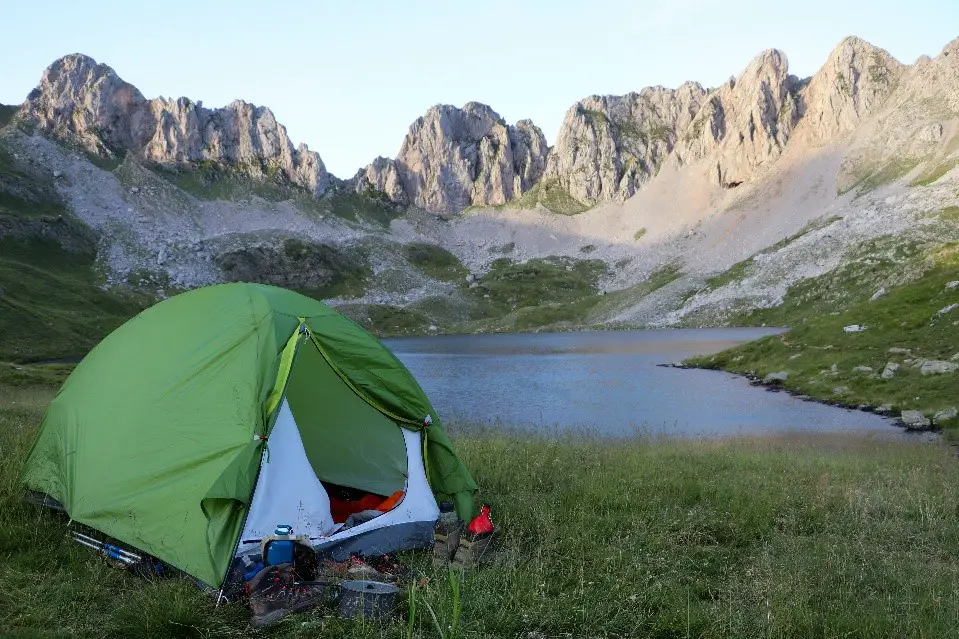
column 287, row 491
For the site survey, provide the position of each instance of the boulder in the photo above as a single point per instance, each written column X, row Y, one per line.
column 946, row 309
column 945, row 415
column 776, row 378
column 854, row 328
column 863, row 369
column 899, row 351
column 952, row 284
column 937, row 367
column 914, row 420
column 877, row 295
column 890, row 370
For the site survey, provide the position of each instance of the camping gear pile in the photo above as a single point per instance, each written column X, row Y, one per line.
column 195, row 428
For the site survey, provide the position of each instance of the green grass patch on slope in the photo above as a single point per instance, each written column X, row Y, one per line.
column 734, row 273
column 949, row 214
column 821, row 358
column 371, row 206
column 551, row 195
column 26, row 190
column 872, row 177
column 318, row 270
column 211, row 180
column 615, row 301
column 435, row 261
column 803, row 536
column 53, row 304
column 34, row 375
column 216, row 181
column 871, row 266
column 933, row 174
column 386, row 320
column 540, row 291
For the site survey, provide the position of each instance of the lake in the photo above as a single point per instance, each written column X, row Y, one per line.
column 608, row 382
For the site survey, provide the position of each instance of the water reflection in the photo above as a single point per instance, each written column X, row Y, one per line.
column 607, row 382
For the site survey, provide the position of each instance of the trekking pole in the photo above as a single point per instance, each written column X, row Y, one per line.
column 123, row 556
column 110, row 547
column 109, row 553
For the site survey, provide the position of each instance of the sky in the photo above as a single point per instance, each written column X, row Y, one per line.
column 348, row 77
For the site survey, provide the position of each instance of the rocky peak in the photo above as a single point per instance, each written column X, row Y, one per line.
column 853, row 83
column 609, row 146
column 914, row 126
column 382, row 175
column 456, row 157
column 942, row 75
column 87, row 104
column 745, row 123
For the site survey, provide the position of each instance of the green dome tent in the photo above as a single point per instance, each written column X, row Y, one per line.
column 226, row 410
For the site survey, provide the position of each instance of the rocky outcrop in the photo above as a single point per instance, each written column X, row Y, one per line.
column 383, row 176
column 453, row 158
column 855, row 82
column 609, row 146
column 745, row 124
column 915, row 125
column 304, row 266
column 84, row 103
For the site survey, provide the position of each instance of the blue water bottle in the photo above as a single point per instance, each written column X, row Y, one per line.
column 280, row 549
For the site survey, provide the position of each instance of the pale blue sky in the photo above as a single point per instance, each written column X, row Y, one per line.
column 349, row 77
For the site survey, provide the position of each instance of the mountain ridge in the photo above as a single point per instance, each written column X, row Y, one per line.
column 452, row 158
column 666, row 187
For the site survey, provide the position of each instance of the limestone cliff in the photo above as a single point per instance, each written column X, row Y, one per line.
column 81, row 102
column 854, row 83
column 744, row 124
column 453, row 158
column 609, row 146
column 916, row 126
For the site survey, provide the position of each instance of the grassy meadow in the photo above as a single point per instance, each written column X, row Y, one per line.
column 802, row 536
column 907, row 324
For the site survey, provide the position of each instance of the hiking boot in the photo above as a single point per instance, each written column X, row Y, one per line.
column 446, row 536
column 472, row 549
column 275, row 593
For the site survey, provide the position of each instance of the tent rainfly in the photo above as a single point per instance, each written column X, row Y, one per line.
column 219, row 413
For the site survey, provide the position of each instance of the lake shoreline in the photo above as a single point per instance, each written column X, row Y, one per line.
column 776, row 386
